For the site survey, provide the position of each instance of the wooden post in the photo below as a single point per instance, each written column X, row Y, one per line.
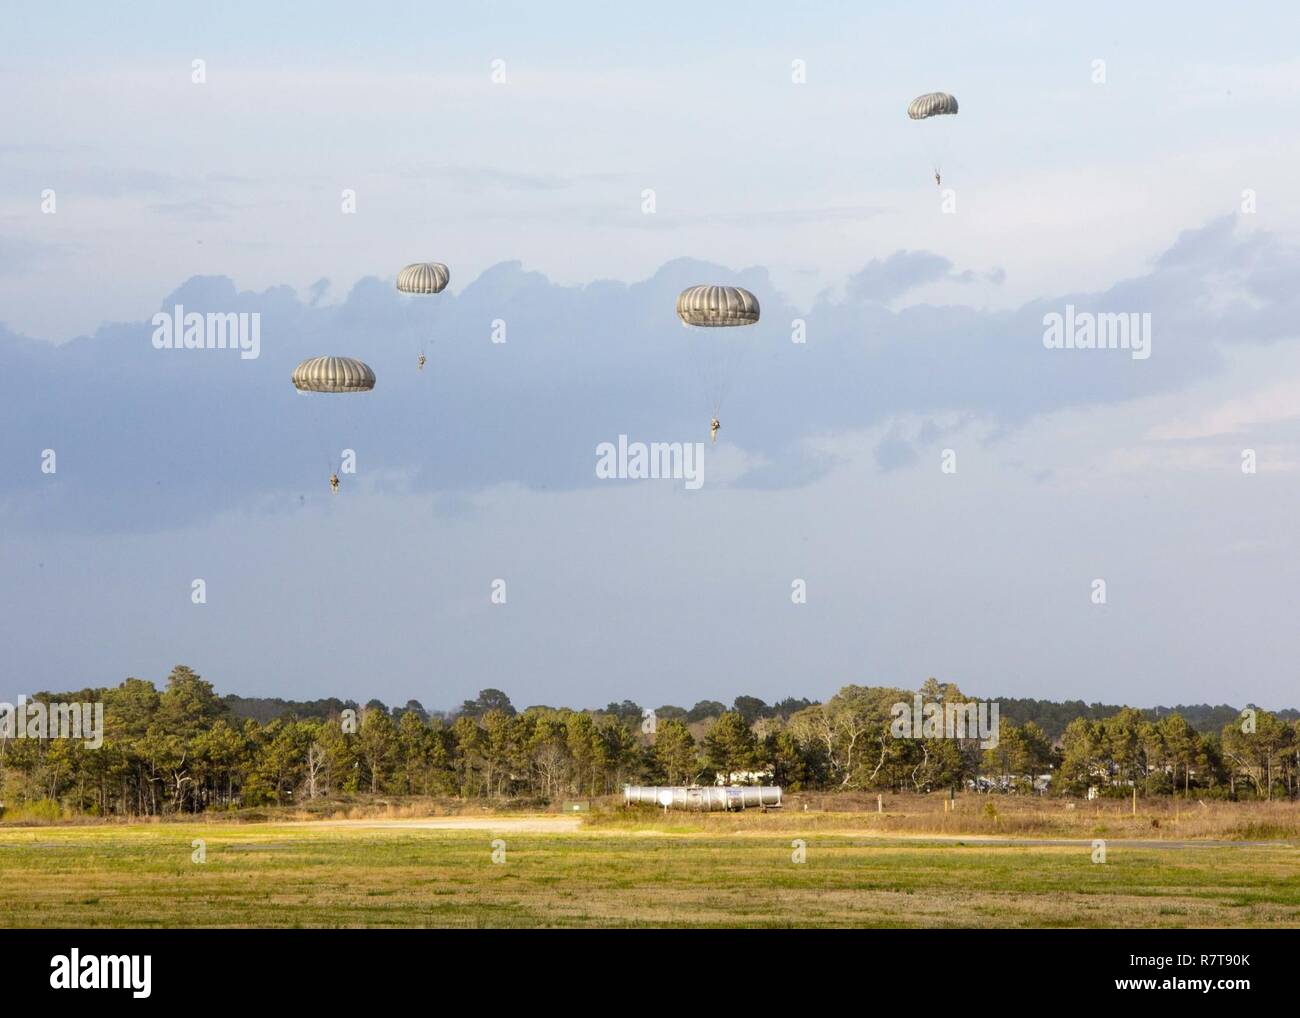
column 880, row 804
column 1135, row 798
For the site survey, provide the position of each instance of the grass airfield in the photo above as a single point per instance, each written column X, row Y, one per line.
column 647, row 871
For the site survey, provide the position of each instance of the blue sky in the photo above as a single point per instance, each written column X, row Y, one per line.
column 924, row 334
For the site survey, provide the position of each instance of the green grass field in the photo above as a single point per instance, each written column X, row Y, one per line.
column 360, row 875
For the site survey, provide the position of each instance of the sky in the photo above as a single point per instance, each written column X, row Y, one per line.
column 577, row 167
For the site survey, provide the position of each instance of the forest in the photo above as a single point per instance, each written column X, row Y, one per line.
column 184, row 749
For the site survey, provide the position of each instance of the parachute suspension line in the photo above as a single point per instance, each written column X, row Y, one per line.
column 347, row 422
column 718, row 355
column 425, row 335
column 361, row 416
column 934, row 147
column 318, row 419
column 734, row 360
column 325, row 418
column 706, row 371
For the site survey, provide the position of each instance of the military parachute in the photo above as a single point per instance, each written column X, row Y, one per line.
column 333, row 375
column 928, row 107
column 423, row 278
column 718, row 354
column 932, row 104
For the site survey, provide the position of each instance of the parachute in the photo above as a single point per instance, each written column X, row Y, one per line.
column 333, row 427
column 718, row 355
column 423, row 278
column 717, row 305
column 333, row 374
column 926, row 107
column 932, row 104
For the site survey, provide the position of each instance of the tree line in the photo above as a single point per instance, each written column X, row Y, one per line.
column 184, row 749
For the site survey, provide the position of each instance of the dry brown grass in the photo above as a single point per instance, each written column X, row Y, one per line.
column 990, row 815
column 904, row 814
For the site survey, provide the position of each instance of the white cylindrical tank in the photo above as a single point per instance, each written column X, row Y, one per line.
column 704, row 798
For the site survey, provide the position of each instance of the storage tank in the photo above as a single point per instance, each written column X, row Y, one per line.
column 704, row 798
